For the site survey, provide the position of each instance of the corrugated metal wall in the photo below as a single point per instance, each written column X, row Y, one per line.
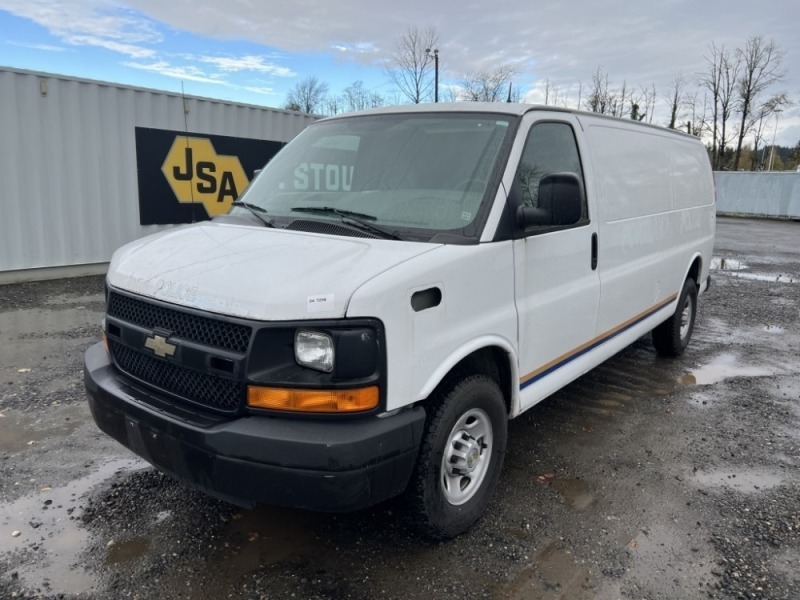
column 770, row 194
column 68, row 191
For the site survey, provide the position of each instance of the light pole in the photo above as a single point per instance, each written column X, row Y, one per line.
column 435, row 53
column 774, row 133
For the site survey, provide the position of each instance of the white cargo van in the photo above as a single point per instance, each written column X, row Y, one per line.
column 392, row 288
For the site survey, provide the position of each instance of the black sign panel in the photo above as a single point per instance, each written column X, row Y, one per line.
column 187, row 177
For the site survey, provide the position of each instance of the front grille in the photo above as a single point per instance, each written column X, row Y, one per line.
column 202, row 388
column 203, row 330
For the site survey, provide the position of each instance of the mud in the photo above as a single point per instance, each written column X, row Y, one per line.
column 646, row 478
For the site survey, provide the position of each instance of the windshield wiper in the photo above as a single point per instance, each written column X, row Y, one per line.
column 255, row 210
column 351, row 217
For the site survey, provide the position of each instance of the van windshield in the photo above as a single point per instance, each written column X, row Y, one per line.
column 412, row 176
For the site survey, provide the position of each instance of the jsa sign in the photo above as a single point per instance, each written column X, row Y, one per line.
column 196, row 173
column 185, row 178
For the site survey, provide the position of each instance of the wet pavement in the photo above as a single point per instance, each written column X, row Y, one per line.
column 646, row 478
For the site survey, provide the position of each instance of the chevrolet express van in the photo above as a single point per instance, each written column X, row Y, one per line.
column 392, row 288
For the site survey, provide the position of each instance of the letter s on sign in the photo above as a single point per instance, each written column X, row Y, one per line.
column 301, row 176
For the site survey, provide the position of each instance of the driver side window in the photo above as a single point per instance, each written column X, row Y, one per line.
column 550, row 148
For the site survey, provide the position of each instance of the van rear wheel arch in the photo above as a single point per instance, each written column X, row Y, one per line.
column 673, row 335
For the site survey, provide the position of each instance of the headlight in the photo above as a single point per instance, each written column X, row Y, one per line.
column 314, row 349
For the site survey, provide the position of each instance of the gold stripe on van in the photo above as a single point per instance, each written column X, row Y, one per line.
column 559, row 362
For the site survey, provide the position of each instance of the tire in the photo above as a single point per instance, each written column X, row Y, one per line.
column 673, row 335
column 456, row 473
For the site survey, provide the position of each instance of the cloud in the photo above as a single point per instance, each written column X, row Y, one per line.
column 101, row 23
column 639, row 43
column 185, row 72
column 44, row 47
column 265, row 91
column 247, row 63
column 128, row 49
column 357, row 48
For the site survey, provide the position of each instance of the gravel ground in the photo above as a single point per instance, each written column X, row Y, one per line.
column 646, row 478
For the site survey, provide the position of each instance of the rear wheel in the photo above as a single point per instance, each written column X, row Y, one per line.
column 673, row 335
column 461, row 457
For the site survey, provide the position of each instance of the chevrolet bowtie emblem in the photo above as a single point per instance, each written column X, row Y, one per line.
column 160, row 346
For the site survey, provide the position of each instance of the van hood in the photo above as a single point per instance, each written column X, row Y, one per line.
column 255, row 273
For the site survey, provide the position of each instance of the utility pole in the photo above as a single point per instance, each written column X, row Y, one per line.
column 435, row 53
column 772, row 149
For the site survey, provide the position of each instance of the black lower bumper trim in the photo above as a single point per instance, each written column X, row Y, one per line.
column 333, row 465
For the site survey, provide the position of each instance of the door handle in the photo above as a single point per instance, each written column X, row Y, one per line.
column 594, row 251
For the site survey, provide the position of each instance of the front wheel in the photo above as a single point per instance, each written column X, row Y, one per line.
column 460, row 459
column 673, row 335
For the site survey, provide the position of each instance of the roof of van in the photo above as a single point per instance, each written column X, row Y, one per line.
column 504, row 108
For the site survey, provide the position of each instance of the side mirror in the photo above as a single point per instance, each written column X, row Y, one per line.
column 560, row 202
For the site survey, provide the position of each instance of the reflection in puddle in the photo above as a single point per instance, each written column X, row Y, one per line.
column 734, row 268
column 51, row 538
column 254, row 539
column 774, row 328
column 19, row 430
column 554, row 575
column 779, row 278
column 750, row 480
column 123, row 552
column 726, row 264
column 574, row 491
column 725, row 366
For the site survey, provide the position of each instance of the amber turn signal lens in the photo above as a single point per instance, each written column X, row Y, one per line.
column 313, row 401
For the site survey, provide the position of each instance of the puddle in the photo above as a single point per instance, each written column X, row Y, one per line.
column 725, row 366
column 554, row 575
column 267, row 535
column 726, row 264
column 748, row 480
column 574, row 491
column 616, row 386
column 252, row 541
column 733, row 268
column 20, row 431
column 779, row 278
column 128, row 550
column 51, row 538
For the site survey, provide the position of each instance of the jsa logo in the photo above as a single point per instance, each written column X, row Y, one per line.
column 197, row 173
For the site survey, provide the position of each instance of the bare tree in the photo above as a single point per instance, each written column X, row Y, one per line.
column 332, row 105
column 676, row 96
column 649, row 100
column 307, row 95
column 697, row 110
column 490, row 85
column 450, row 93
column 641, row 104
column 601, row 99
column 411, row 67
column 357, row 97
column 758, row 123
column 720, row 81
column 761, row 68
column 553, row 95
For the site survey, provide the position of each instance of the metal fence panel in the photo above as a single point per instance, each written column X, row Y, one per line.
column 765, row 194
column 69, row 193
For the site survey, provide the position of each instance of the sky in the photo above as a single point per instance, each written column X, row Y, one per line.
column 254, row 51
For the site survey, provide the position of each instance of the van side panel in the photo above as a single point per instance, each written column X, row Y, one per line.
column 474, row 306
column 655, row 198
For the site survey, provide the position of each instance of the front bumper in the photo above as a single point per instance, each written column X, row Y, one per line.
column 331, row 465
